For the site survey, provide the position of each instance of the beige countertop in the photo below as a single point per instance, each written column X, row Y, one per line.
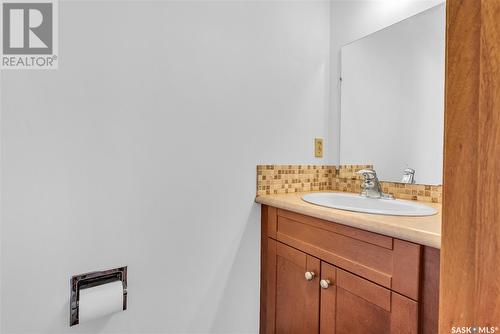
column 421, row 230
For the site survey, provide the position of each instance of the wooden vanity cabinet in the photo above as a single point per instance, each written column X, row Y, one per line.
column 327, row 281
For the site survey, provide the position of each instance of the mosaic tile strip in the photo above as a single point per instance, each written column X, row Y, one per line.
column 283, row 179
column 416, row 192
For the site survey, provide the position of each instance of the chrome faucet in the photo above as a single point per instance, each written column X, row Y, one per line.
column 408, row 176
column 371, row 187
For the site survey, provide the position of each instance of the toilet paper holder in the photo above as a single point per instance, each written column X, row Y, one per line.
column 92, row 279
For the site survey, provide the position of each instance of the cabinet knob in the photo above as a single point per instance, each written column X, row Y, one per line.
column 324, row 283
column 309, row 275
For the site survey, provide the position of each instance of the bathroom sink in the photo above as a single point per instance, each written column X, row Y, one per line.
column 354, row 202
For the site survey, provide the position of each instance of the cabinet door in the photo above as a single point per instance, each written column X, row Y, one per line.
column 365, row 307
column 297, row 296
column 328, row 307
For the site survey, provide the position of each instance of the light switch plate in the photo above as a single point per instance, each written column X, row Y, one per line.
column 318, row 147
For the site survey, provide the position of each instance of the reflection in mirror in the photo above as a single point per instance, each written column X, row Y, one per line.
column 392, row 99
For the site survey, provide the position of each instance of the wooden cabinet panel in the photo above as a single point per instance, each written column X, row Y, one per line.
column 269, row 217
column 406, row 268
column 267, row 248
column 356, row 315
column 392, row 263
column 373, row 293
column 352, row 232
column 328, row 300
column 404, row 316
column 297, row 299
column 268, row 314
column 429, row 296
column 364, row 307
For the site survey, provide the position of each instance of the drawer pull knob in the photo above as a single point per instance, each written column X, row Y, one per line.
column 309, row 275
column 324, row 283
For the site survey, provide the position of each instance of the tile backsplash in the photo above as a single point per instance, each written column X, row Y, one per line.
column 283, row 179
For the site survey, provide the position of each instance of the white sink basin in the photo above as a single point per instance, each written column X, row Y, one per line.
column 354, row 202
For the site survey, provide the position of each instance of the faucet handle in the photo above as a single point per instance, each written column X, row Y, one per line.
column 367, row 173
column 408, row 171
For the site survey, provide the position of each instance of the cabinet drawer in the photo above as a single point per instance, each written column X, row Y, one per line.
column 392, row 263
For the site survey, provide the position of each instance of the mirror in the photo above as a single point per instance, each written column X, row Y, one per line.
column 392, row 99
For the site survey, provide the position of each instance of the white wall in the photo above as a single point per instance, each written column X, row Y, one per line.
column 140, row 150
column 354, row 19
column 392, row 104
